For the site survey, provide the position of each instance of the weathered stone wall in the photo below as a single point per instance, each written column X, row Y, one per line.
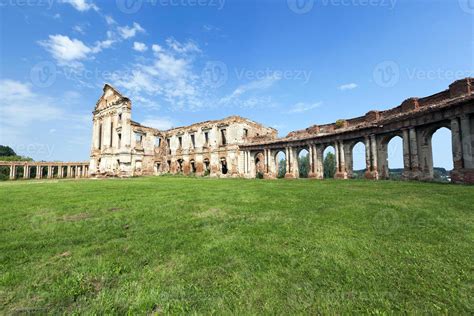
column 122, row 147
column 415, row 121
column 236, row 146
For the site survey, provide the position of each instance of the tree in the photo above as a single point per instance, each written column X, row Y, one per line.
column 8, row 154
column 329, row 165
column 6, row 151
column 282, row 168
column 303, row 166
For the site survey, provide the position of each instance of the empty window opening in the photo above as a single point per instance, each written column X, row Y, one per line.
column 111, row 134
column 180, row 165
column 100, row 135
column 224, row 166
column 193, row 141
column 158, row 141
column 206, row 138
column 193, row 166
column 138, row 138
column 223, row 137
column 119, row 140
column 246, row 132
column 180, row 139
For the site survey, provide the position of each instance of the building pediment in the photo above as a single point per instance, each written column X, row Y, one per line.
column 110, row 97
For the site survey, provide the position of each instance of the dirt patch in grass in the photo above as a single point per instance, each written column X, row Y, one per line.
column 74, row 217
column 212, row 212
column 116, row 209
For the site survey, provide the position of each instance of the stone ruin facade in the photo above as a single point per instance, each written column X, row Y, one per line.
column 122, row 147
column 239, row 147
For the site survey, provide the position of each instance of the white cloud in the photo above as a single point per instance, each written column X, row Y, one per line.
column 156, row 48
column 183, row 48
column 79, row 29
column 110, row 20
column 348, row 86
column 128, row 32
column 21, row 106
column 139, row 47
column 81, row 5
column 302, row 107
column 163, row 123
column 65, row 50
column 256, row 85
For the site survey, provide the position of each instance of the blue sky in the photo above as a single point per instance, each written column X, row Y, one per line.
column 285, row 63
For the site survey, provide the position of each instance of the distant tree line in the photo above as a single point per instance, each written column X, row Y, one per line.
column 303, row 166
column 8, row 154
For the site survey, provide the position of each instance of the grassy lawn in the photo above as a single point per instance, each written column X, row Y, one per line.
column 174, row 245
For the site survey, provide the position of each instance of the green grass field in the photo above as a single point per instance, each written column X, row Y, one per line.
column 188, row 245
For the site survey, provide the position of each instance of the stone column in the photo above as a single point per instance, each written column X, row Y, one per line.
column 406, row 155
column 319, row 161
column 467, row 142
column 39, row 172
column 312, row 167
column 368, row 164
column 78, row 171
column 50, row 172
column 457, row 144
column 289, row 163
column 69, row 172
column 26, row 171
column 249, row 163
column 374, row 157
column 12, row 172
column 336, row 153
column 341, row 169
column 414, row 159
column 95, row 135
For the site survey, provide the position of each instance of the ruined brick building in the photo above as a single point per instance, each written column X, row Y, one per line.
column 122, row 147
column 237, row 146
